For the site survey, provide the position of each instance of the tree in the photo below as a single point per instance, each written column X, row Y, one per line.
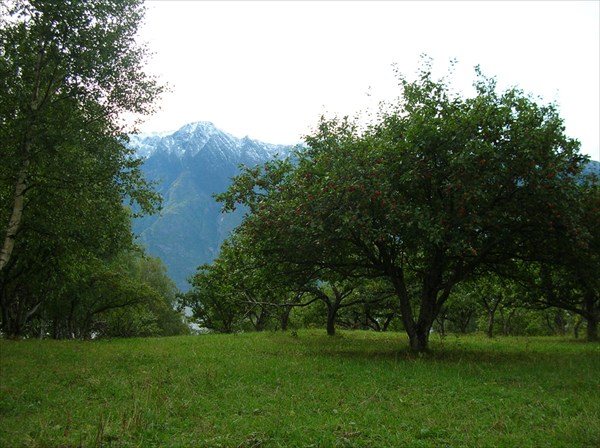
column 493, row 293
column 233, row 290
column 148, row 298
column 127, row 294
column 46, row 266
column 69, row 71
column 460, row 311
column 213, row 302
column 568, row 276
column 376, row 309
column 152, row 272
column 437, row 189
column 334, row 296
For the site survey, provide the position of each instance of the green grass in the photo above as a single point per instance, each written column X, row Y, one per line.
column 358, row 389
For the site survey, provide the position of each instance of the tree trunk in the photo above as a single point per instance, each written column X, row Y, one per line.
column 417, row 336
column 371, row 322
column 591, row 316
column 333, row 306
column 592, row 328
column 491, row 306
column 442, row 323
column 261, row 319
column 6, row 327
column 419, row 339
column 18, row 199
column 464, row 321
column 418, row 333
column 578, row 322
column 388, row 321
column 331, row 314
column 507, row 322
column 433, row 298
column 14, row 222
column 285, row 318
column 560, row 322
column 490, row 326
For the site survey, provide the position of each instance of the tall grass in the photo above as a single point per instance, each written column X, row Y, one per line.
column 358, row 389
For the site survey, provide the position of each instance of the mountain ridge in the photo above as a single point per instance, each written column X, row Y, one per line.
column 193, row 137
column 190, row 165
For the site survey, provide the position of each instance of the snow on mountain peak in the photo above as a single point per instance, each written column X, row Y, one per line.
column 205, row 127
column 192, row 138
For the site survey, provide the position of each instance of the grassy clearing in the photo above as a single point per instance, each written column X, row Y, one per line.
column 357, row 389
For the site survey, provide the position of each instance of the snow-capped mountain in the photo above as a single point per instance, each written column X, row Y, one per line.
column 189, row 166
column 193, row 138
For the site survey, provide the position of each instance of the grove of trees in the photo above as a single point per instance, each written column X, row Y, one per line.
column 447, row 212
column 445, row 207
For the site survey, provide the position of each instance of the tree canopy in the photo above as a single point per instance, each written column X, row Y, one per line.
column 440, row 188
column 69, row 72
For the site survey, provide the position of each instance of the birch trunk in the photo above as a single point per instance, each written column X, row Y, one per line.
column 16, row 216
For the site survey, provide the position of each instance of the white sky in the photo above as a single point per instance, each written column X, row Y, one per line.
column 269, row 69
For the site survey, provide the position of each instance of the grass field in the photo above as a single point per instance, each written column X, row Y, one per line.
column 358, row 389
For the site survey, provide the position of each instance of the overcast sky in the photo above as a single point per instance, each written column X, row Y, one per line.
column 269, row 69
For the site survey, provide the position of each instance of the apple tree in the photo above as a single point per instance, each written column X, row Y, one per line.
column 438, row 188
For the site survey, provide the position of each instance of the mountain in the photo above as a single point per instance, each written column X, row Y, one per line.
column 593, row 167
column 189, row 166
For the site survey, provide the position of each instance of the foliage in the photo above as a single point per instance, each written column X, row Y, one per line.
column 153, row 296
column 238, row 291
column 240, row 287
column 126, row 295
column 569, row 277
column 439, row 189
column 218, row 300
column 458, row 313
column 69, row 71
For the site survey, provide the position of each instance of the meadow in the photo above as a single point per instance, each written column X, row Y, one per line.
column 300, row 389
